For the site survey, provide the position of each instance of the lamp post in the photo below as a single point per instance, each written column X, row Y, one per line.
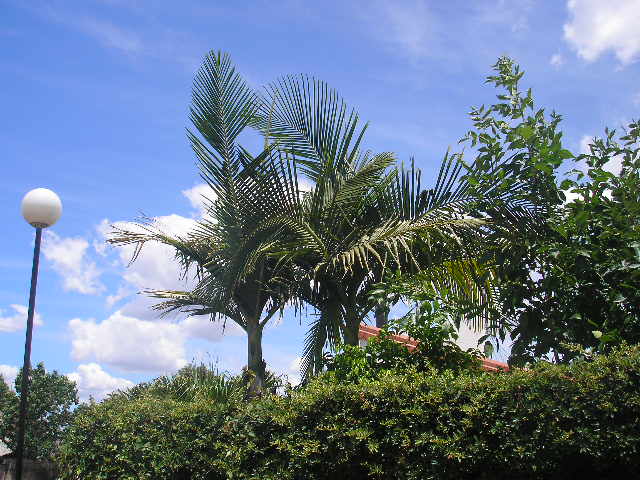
column 41, row 208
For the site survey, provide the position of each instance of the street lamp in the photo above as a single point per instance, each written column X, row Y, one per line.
column 41, row 208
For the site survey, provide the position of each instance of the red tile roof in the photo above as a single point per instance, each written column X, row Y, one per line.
column 366, row 331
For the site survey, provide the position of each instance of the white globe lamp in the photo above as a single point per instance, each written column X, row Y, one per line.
column 41, row 208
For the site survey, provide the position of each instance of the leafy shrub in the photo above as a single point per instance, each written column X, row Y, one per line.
column 143, row 438
column 429, row 325
column 165, row 428
column 553, row 421
column 543, row 423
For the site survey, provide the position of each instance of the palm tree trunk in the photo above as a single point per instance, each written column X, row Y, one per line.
column 255, row 363
column 382, row 315
column 351, row 327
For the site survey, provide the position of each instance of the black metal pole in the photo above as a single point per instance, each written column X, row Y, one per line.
column 26, row 368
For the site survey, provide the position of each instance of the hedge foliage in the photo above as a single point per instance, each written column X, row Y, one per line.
column 575, row 421
column 144, row 438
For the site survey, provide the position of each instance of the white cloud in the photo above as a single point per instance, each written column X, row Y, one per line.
column 93, row 381
column 156, row 266
column 158, row 41
column 468, row 337
column 106, row 33
column 406, row 26
column 514, row 13
column 17, row 321
column 68, row 257
column 121, row 293
column 9, row 373
column 110, row 35
column 585, row 141
column 100, row 245
column 199, row 196
column 129, row 343
column 557, row 60
column 598, row 26
column 201, row 327
column 414, row 28
column 133, row 338
column 570, row 196
column 282, row 362
column 410, row 26
column 305, row 185
column 614, row 165
column 142, row 307
column 136, row 345
column 293, row 372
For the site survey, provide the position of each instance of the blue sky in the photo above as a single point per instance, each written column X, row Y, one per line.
column 95, row 95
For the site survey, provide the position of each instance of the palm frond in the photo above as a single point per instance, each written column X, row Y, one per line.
column 188, row 253
column 324, row 331
column 222, row 104
column 397, row 237
column 463, row 282
column 309, row 120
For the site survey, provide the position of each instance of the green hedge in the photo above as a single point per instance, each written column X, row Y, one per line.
column 144, row 438
column 580, row 421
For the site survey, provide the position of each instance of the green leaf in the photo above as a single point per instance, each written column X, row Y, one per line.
column 566, row 184
column 565, row 154
column 525, row 131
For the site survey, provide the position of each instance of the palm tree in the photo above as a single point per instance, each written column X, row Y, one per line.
column 364, row 214
column 267, row 243
column 225, row 253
